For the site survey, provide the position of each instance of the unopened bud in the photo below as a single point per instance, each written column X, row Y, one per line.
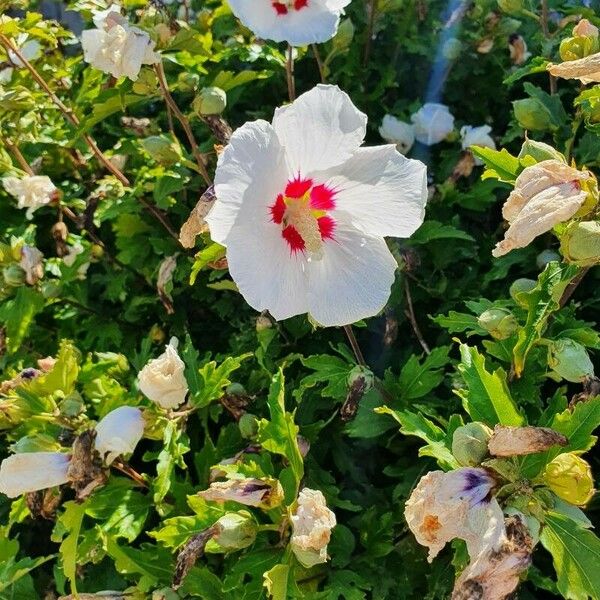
column 583, row 42
column 510, row 6
column 210, row 101
column 13, row 275
column 545, row 257
column 500, row 323
column 157, row 334
column 361, row 373
column 470, row 443
column 580, row 243
column 162, row 149
column 248, row 425
column 188, row 82
column 570, row 478
column 570, row 360
column 521, row 286
column 236, row 531
column 532, row 114
column 452, row 48
column 235, row 389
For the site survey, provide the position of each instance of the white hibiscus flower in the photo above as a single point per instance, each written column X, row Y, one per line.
column 298, row 22
column 32, row 191
column 117, row 47
column 477, row 136
column 32, row 471
column 433, row 122
column 303, row 210
column 119, row 432
column 29, row 49
column 398, row 132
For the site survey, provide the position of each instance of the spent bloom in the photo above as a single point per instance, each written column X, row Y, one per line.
column 312, row 523
column 162, row 380
column 433, row 122
column 303, row 209
column 545, row 194
column 298, row 22
column 398, row 132
column 32, row 263
column 261, row 493
column 477, row 136
column 119, row 432
column 32, row 471
column 31, row 192
column 519, row 441
column 116, row 47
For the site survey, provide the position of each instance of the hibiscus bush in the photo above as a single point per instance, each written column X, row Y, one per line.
column 298, row 299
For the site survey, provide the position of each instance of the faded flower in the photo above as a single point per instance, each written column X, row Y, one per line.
column 476, row 136
column 518, row 441
column 195, row 224
column 31, row 192
column 31, row 263
column 518, row 50
column 119, row 432
column 312, row 523
column 32, row 471
column 570, row 478
column 262, row 493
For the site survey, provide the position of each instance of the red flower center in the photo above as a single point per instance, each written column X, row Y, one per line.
column 283, row 7
column 301, row 211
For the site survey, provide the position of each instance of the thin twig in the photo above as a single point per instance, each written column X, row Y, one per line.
column 289, row 69
column 572, row 286
column 360, row 359
column 410, row 313
column 164, row 86
column 67, row 112
column 161, row 218
column 370, row 29
column 130, row 472
column 320, row 64
column 14, row 150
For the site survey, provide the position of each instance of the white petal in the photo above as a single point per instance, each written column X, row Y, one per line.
column 267, row 273
column 29, row 472
column 353, row 279
column 381, row 192
column 119, row 432
column 433, row 122
column 321, row 129
column 250, row 174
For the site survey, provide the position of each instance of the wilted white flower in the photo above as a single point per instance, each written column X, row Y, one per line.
column 303, row 210
column 433, row 122
column 71, row 257
column 30, row 50
column 117, row 47
column 458, row 504
column 32, row 471
column 119, row 432
column 32, row 191
column 312, row 523
column 298, row 22
column 261, row 493
column 397, row 132
column 518, row 441
column 586, row 29
column 545, row 194
column 477, row 136
column 162, row 380
column 587, row 69
column 518, row 50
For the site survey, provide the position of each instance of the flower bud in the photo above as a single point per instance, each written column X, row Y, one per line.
column 545, row 257
column 500, row 323
column 362, row 373
column 165, row 594
column 344, row 36
column 570, row 360
column 580, row 243
column 162, row 149
column 188, row 82
column 510, row 6
column 469, row 443
column 235, row 389
column 236, row 531
column 539, row 151
column 570, row 478
column 97, row 251
column 574, row 48
column 13, row 275
column 262, row 323
column 248, row 425
column 521, row 286
column 210, row 101
column 532, row 114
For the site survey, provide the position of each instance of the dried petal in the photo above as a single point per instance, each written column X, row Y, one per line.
column 587, row 69
column 518, row 441
column 165, row 276
column 261, row 493
column 85, row 472
column 195, row 224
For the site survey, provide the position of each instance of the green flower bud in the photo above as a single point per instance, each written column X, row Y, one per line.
column 344, row 36
column 538, row 151
column 210, row 101
column 510, row 6
column 188, row 82
column 580, row 243
column 500, row 323
column 470, row 443
column 570, row 360
column 545, row 257
column 237, row 531
column 263, row 323
column 235, row 389
column 162, row 149
column 13, row 275
column 452, row 48
column 532, row 114
column 165, row 594
column 521, row 286
column 361, row 373
column 248, row 425
column 573, row 48
column 146, row 84
column 570, row 478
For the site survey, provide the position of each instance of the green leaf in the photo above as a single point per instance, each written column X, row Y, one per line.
column 200, row 582
column 541, row 302
column 487, row 397
column 457, row 322
column 176, row 444
column 67, row 529
column 280, row 436
column 210, row 254
column 331, row 370
column 576, row 556
column 500, row 164
column 434, row 230
column 17, row 315
column 418, row 379
column 276, row 582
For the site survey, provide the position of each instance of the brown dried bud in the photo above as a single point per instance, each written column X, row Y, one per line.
column 195, row 224
column 191, row 552
column 518, row 441
column 86, row 471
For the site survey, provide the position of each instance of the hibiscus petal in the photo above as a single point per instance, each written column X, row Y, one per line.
column 119, row 432
column 320, row 130
column 587, row 69
column 382, row 192
column 32, row 471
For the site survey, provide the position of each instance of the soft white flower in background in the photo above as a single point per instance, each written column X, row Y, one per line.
column 397, row 132
column 32, row 471
column 477, row 136
column 303, row 210
column 298, row 22
column 162, row 380
column 311, row 528
column 30, row 50
column 117, row 47
column 433, row 122
column 31, row 263
column 445, row 506
column 119, row 432
column 32, row 191
column 6, row 75
column 545, row 194
column 71, row 257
